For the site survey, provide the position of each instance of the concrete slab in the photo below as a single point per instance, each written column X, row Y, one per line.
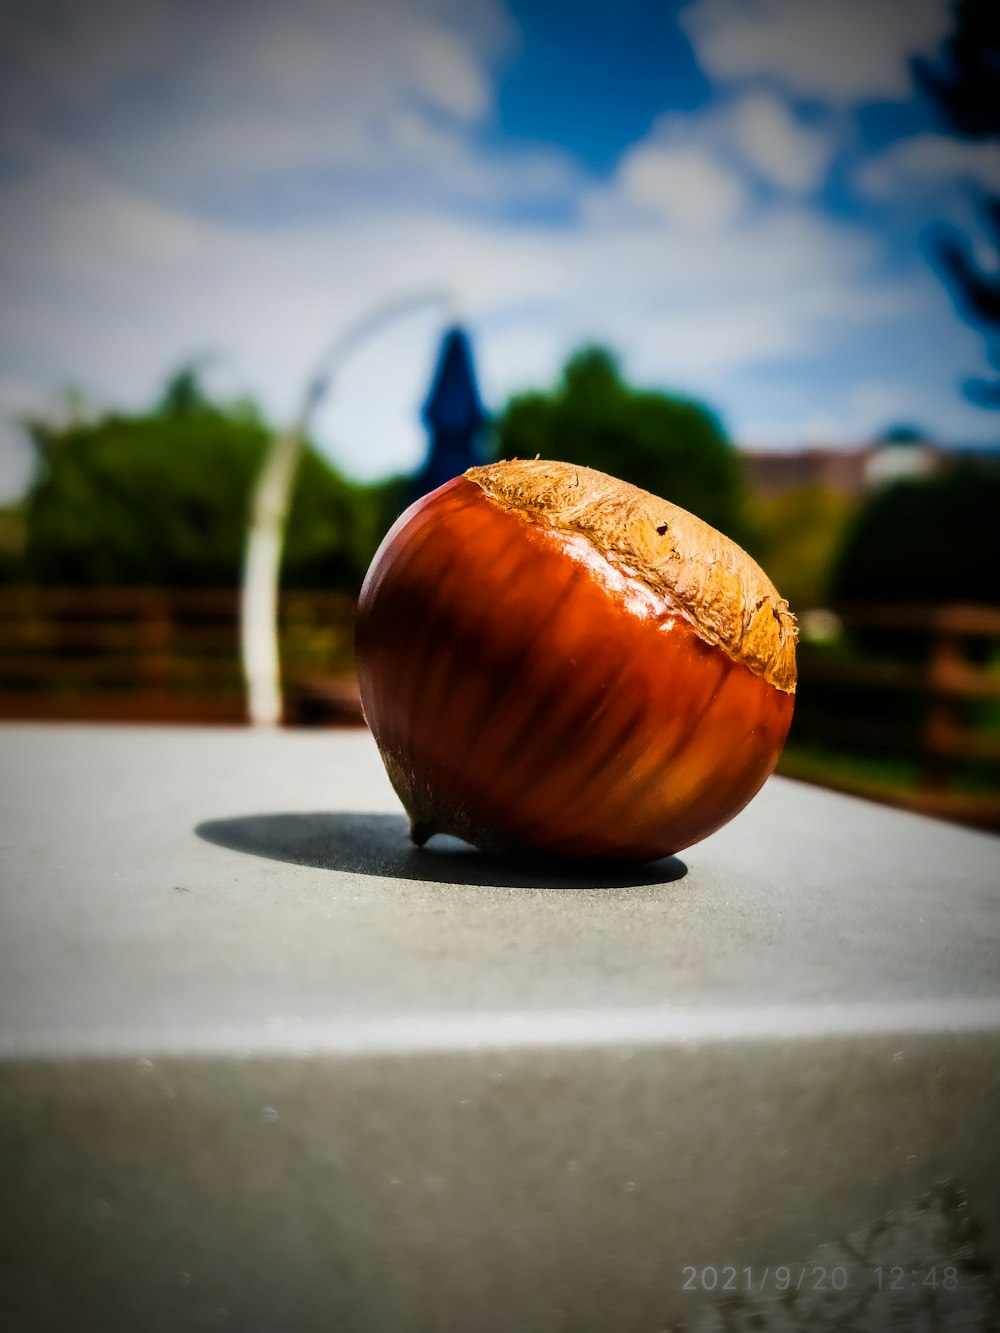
column 264, row 1065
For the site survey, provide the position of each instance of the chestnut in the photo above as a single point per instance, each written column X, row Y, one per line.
column 555, row 660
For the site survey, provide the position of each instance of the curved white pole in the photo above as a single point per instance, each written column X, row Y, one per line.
column 269, row 512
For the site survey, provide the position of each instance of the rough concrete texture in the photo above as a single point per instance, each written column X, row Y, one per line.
column 265, row 1066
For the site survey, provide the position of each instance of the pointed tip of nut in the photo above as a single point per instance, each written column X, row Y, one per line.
column 726, row 596
column 420, row 831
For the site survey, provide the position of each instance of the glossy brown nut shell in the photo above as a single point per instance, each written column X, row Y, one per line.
column 528, row 691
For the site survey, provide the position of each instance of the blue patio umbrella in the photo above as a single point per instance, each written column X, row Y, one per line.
column 454, row 415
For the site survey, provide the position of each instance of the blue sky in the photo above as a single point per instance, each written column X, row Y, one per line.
column 734, row 194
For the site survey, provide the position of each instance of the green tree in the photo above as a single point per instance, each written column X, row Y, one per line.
column 161, row 499
column 966, row 87
column 797, row 535
column 925, row 541
column 671, row 446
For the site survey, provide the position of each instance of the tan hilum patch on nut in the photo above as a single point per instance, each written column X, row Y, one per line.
column 716, row 586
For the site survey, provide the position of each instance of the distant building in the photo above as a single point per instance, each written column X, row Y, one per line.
column 892, row 460
column 773, row 472
column 850, row 471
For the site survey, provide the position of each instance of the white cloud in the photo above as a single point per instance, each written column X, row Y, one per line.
column 697, row 170
column 113, row 292
column 853, row 411
column 835, row 50
column 52, row 44
column 355, row 58
column 247, row 95
column 777, row 145
column 284, row 54
column 72, row 221
column 881, row 403
column 928, row 161
column 681, row 184
column 446, row 74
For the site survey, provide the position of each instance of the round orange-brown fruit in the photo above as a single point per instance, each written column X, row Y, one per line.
column 555, row 660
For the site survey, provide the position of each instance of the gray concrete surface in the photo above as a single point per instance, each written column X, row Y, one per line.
column 265, row 1066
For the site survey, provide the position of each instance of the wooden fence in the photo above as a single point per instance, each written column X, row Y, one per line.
column 132, row 654
column 139, row 654
column 934, row 702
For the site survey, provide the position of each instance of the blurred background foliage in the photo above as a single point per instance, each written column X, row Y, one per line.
column 796, row 537
column 161, row 498
column 926, row 540
column 158, row 502
column 964, row 83
column 669, row 445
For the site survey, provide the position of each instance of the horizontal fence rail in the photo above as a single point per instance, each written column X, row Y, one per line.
column 918, row 683
column 142, row 654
